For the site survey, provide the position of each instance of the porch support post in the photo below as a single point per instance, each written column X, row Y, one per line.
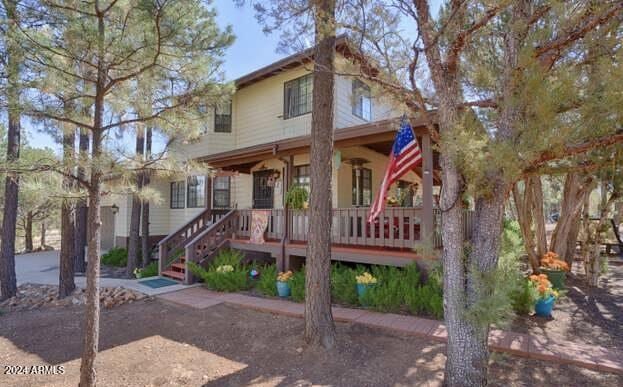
column 208, row 192
column 427, row 189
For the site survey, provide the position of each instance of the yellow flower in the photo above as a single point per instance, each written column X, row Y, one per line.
column 225, row 269
column 366, row 279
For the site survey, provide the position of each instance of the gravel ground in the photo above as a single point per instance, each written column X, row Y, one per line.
column 584, row 314
column 155, row 343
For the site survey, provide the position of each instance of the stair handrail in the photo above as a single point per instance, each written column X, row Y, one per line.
column 185, row 225
column 191, row 247
column 209, row 228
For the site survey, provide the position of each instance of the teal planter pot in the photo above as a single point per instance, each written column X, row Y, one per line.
column 556, row 277
column 362, row 289
column 544, row 307
column 283, row 289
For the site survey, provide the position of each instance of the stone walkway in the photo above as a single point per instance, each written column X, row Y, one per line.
column 541, row 348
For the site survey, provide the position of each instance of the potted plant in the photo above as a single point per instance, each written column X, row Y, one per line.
column 364, row 282
column 296, row 197
column 283, row 283
column 545, row 295
column 555, row 269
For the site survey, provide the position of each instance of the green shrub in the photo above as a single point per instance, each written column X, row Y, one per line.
column 117, row 256
column 344, row 285
column 228, row 281
column 522, row 298
column 266, row 284
column 392, row 288
column 297, row 285
column 228, row 257
column 150, row 270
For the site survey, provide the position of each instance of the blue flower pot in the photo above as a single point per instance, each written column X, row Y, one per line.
column 361, row 289
column 283, row 289
column 544, row 308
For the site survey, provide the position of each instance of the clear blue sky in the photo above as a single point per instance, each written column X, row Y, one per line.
column 251, row 50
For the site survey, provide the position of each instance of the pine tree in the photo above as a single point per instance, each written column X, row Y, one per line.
column 175, row 45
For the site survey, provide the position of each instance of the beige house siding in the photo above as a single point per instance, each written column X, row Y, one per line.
column 258, row 112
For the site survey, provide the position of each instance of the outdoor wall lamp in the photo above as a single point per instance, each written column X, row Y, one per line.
column 114, row 209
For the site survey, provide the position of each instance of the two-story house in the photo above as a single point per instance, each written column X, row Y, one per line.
column 258, row 146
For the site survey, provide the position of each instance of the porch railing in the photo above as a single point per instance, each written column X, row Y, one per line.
column 396, row 227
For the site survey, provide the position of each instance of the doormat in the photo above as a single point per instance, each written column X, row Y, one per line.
column 158, row 282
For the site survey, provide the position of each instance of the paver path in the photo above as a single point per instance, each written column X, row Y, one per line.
column 535, row 347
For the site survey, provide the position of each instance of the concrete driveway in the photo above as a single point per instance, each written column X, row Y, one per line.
column 43, row 268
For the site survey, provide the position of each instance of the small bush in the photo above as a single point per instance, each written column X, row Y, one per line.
column 343, row 285
column 228, row 257
column 150, row 270
column 297, row 285
column 266, row 284
column 224, row 281
column 426, row 299
column 393, row 287
column 523, row 298
column 117, row 256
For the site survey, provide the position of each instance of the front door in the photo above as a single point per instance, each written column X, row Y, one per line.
column 262, row 190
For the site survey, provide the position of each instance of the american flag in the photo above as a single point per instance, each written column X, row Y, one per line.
column 405, row 155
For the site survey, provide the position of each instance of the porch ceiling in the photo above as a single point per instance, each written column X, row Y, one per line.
column 375, row 134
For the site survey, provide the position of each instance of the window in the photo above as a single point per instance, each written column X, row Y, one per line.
column 301, row 176
column 203, row 111
column 196, row 191
column 178, row 189
column 362, row 186
column 297, row 97
column 362, row 101
column 222, row 118
column 221, row 192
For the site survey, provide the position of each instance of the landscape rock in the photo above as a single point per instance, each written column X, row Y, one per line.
column 32, row 296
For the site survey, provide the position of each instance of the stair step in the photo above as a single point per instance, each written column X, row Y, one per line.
column 173, row 274
column 180, row 266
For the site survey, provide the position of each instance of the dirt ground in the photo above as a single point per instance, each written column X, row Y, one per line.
column 155, row 343
column 583, row 314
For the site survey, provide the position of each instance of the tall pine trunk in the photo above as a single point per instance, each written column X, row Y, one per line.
column 145, row 247
column 319, row 325
column 28, row 245
column 135, row 215
column 42, row 240
column 66, row 283
column 8, row 280
column 81, row 206
column 92, row 317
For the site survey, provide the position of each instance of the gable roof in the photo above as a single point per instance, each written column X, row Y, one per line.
column 295, row 60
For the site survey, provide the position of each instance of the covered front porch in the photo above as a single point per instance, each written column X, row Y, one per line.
column 360, row 158
column 260, row 176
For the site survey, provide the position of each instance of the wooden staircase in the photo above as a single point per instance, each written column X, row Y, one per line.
column 177, row 270
column 197, row 241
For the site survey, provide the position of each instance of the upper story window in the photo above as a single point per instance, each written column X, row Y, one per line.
column 178, row 189
column 196, row 192
column 297, row 96
column 222, row 118
column 203, row 112
column 222, row 189
column 362, row 100
column 301, row 176
column 362, row 187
